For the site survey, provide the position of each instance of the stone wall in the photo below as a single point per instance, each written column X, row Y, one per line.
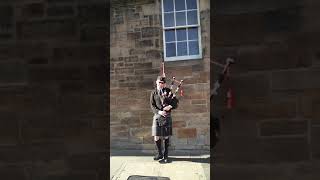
column 136, row 48
column 52, row 89
column 273, row 128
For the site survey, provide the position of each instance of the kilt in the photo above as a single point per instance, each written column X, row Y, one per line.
column 164, row 130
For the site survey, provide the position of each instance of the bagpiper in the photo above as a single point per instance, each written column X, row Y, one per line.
column 162, row 102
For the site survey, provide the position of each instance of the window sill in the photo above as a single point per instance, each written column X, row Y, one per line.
column 181, row 58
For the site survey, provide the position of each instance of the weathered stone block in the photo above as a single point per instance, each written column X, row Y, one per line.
column 197, row 122
column 148, row 140
column 100, row 122
column 295, row 80
column 45, row 74
column 187, row 133
column 146, row 122
column 41, row 98
column 46, row 29
column 153, row 54
column 6, row 14
column 60, row 11
column 284, row 149
column 147, row 72
column 88, row 161
column 178, row 124
column 273, row 56
column 136, row 51
column 13, row 73
column 70, row 104
column 265, row 109
column 315, row 112
column 92, row 13
column 33, row 10
column 15, row 172
column 195, row 108
column 179, row 72
column 238, row 29
column 283, row 20
column 9, row 128
column 38, row 60
column 144, row 43
column 199, row 101
column 60, row 1
column 89, row 34
column 250, row 86
column 97, row 104
column 150, row 32
column 140, row 132
column 315, row 138
column 197, row 68
column 80, row 55
column 72, row 87
column 132, row 121
column 26, row 50
column 98, row 73
column 283, row 127
column 47, row 151
column 178, row 142
column 132, row 36
column 8, row 51
column 124, row 71
column 143, row 65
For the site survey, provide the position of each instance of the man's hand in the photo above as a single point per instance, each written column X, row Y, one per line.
column 167, row 108
column 162, row 113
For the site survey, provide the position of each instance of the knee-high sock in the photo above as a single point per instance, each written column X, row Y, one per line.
column 166, row 147
column 158, row 145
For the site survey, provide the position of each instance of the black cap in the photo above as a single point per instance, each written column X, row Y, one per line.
column 161, row 78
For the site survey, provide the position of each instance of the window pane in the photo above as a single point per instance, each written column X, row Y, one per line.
column 193, row 34
column 167, row 5
column 181, row 18
column 180, row 5
column 193, row 48
column 191, row 4
column 170, row 35
column 168, row 20
column 181, row 34
column 170, row 49
column 182, row 48
column 192, row 17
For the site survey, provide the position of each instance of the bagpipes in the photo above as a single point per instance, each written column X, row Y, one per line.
column 169, row 97
column 221, row 77
column 171, row 94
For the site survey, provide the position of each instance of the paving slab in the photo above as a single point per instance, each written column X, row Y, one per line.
column 179, row 167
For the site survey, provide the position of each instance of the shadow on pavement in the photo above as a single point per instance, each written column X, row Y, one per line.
column 198, row 160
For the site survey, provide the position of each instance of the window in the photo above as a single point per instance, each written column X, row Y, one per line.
column 181, row 30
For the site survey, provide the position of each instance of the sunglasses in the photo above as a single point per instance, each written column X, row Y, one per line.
column 161, row 82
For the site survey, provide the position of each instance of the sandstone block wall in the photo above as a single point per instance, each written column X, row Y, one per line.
column 52, row 88
column 136, row 54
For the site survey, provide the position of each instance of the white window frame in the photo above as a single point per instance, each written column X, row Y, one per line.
column 177, row 58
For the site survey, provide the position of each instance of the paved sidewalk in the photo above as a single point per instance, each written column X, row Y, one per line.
column 180, row 167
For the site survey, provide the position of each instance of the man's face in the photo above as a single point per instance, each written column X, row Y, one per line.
column 161, row 84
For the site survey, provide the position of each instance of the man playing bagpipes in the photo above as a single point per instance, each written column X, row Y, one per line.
column 215, row 121
column 162, row 102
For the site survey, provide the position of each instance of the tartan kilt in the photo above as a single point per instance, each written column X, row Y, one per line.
column 164, row 130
